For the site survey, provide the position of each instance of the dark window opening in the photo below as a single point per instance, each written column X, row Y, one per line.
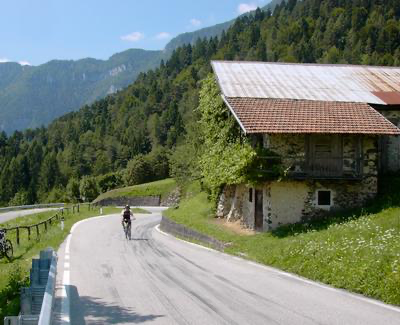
column 250, row 195
column 324, row 197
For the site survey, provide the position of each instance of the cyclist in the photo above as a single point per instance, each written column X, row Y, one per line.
column 127, row 216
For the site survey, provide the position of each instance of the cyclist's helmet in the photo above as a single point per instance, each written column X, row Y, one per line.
column 127, row 207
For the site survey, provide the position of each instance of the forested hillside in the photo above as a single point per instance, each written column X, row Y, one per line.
column 208, row 32
column 149, row 130
column 31, row 96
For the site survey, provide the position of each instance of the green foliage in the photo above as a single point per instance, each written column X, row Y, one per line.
column 20, row 198
column 73, row 192
column 158, row 111
column 137, row 171
column 227, row 153
column 266, row 165
column 10, row 294
column 110, row 181
column 88, row 188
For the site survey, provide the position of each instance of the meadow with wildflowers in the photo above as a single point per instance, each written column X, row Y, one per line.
column 357, row 251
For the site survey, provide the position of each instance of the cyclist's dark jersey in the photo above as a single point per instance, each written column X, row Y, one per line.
column 127, row 216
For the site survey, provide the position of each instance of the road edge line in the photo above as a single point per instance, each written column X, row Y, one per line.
column 65, row 313
column 289, row 275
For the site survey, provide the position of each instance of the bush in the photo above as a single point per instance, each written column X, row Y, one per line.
column 110, row 181
column 10, row 296
column 73, row 192
column 88, row 188
column 20, row 198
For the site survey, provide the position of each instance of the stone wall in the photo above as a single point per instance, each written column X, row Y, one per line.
column 290, row 201
column 132, row 201
column 390, row 145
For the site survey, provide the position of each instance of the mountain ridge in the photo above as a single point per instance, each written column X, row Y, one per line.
column 32, row 96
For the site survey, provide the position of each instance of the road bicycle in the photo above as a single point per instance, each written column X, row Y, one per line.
column 127, row 229
column 6, row 248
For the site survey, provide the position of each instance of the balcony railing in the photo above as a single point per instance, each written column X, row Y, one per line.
column 301, row 167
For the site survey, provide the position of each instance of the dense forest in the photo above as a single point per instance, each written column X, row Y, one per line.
column 150, row 129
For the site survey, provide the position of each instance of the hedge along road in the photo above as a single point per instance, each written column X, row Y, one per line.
column 156, row 278
column 7, row 216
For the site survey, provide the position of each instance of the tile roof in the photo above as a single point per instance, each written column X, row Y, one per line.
column 320, row 82
column 257, row 115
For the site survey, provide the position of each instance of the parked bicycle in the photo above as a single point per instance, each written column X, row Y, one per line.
column 6, row 248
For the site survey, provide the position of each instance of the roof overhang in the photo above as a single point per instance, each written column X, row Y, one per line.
column 270, row 116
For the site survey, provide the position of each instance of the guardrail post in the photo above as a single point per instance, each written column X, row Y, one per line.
column 17, row 235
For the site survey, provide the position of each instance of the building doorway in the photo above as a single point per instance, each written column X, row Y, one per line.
column 258, row 211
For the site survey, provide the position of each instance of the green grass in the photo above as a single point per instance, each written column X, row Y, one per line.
column 161, row 188
column 14, row 273
column 359, row 252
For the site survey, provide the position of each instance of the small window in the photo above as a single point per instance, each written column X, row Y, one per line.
column 324, row 198
column 250, row 195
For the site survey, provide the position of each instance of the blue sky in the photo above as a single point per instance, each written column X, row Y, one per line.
column 36, row 31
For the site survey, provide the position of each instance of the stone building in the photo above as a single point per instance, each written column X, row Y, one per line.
column 333, row 128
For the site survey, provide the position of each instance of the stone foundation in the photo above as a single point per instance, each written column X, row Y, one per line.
column 291, row 201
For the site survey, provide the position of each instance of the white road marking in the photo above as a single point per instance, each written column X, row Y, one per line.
column 289, row 275
column 65, row 302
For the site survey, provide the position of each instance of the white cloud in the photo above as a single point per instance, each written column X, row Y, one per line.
column 246, row 7
column 195, row 22
column 133, row 37
column 163, row 35
column 24, row 63
column 4, row 60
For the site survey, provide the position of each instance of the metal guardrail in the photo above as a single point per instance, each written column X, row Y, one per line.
column 46, row 312
column 34, row 206
column 37, row 294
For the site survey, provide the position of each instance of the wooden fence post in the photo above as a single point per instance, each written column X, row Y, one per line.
column 78, row 208
column 17, row 235
column 37, row 231
column 45, row 225
column 29, row 233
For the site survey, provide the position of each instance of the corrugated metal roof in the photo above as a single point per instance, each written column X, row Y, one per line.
column 342, row 83
column 256, row 115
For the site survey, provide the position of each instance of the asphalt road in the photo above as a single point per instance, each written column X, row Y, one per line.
column 6, row 216
column 157, row 279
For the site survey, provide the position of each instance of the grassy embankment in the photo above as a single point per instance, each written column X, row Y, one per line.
column 358, row 251
column 158, row 188
column 14, row 273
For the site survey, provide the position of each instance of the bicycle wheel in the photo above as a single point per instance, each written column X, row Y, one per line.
column 129, row 231
column 8, row 249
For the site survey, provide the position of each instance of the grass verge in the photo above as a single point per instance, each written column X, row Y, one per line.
column 14, row 274
column 159, row 188
column 359, row 252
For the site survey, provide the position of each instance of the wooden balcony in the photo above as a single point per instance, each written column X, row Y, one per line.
column 301, row 167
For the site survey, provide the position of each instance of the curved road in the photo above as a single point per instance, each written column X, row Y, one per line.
column 10, row 215
column 157, row 279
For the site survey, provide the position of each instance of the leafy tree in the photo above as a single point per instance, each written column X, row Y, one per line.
column 73, row 191
column 138, row 171
column 88, row 188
